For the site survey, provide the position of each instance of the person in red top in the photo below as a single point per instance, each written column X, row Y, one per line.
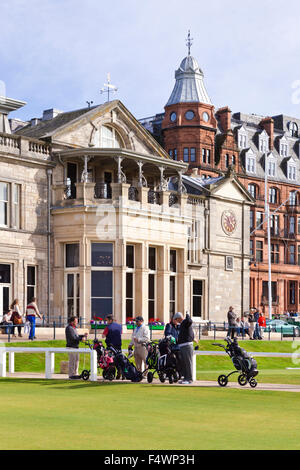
column 261, row 323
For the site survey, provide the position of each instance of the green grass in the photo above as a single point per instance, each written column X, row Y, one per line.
column 42, row 414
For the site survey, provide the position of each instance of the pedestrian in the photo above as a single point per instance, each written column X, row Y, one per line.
column 262, row 324
column 245, row 326
column 238, row 327
column 113, row 337
column 73, row 339
column 252, row 322
column 185, row 342
column 231, row 318
column 140, row 338
column 172, row 329
column 16, row 318
column 6, row 321
column 32, row 312
column 256, row 334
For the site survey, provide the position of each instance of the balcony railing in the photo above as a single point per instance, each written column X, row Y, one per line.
column 153, row 197
column 133, row 193
column 22, row 146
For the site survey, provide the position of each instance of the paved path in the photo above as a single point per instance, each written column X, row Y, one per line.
column 198, row 383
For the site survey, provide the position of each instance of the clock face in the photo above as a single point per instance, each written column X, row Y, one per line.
column 229, row 222
column 173, row 117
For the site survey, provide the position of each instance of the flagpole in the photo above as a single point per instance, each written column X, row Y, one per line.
column 267, row 212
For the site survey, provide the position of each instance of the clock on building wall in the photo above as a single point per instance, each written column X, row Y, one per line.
column 229, row 222
column 173, row 116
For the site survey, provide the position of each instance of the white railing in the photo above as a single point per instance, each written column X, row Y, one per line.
column 49, row 359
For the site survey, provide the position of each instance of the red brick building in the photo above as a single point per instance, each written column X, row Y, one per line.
column 213, row 140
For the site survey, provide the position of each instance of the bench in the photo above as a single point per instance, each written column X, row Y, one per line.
column 49, row 359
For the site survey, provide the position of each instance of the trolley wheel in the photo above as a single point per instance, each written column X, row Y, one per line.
column 222, row 380
column 242, row 380
column 162, row 378
column 175, row 377
column 170, row 379
column 150, row 377
column 253, row 383
column 85, row 374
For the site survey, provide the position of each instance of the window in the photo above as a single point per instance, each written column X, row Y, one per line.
column 172, row 295
column 227, row 160
column 271, row 168
column 129, row 295
column 273, row 196
column 251, row 250
column 274, row 224
column 193, row 154
column 251, row 220
column 197, row 298
column 292, row 254
column 259, row 219
column 4, row 205
column 293, row 128
column 292, row 225
column 31, row 283
column 102, row 254
column 292, row 292
column 252, row 188
column 171, row 153
column 283, row 149
column 259, row 251
column 208, row 156
column 129, row 281
column 203, row 155
column 242, row 141
column 265, row 291
column 251, row 164
column 291, row 173
column 274, row 253
column 110, row 138
column 173, row 260
column 72, row 255
column 71, row 180
column 16, row 205
column 185, row 154
column 130, row 256
column 233, row 160
column 175, row 154
column 152, row 282
column 73, row 294
column 263, row 145
column 293, row 198
column 298, row 225
column 299, row 256
column 102, row 293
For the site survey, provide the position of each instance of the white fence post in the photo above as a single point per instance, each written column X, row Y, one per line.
column 11, row 362
column 2, row 362
column 194, row 367
column 48, row 365
column 93, row 366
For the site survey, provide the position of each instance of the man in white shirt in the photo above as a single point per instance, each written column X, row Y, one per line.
column 140, row 337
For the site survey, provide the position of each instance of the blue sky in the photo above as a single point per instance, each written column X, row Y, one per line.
column 56, row 53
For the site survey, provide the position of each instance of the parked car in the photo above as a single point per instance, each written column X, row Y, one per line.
column 280, row 326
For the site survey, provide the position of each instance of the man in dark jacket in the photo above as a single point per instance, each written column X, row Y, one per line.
column 185, row 342
column 113, row 337
column 73, row 339
column 231, row 317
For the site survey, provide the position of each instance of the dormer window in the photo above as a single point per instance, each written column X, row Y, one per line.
column 283, row 147
column 250, row 162
column 293, row 128
column 264, row 142
column 271, row 166
column 291, row 172
column 242, row 138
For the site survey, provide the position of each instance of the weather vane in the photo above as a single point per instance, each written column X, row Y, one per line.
column 108, row 87
column 189, row 42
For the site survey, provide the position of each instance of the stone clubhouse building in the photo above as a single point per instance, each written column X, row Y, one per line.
column 97, row 218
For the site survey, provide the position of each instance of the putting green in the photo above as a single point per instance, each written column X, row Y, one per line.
column 41, row 414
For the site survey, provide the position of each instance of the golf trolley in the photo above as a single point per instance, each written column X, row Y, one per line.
column 245, row 365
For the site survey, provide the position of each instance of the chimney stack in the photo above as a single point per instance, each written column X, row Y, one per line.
column 268, row 125
column 224, row 115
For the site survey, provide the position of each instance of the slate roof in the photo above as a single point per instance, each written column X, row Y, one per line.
column 44, row 128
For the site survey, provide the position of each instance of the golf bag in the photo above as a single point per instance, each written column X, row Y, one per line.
column 128, row 369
